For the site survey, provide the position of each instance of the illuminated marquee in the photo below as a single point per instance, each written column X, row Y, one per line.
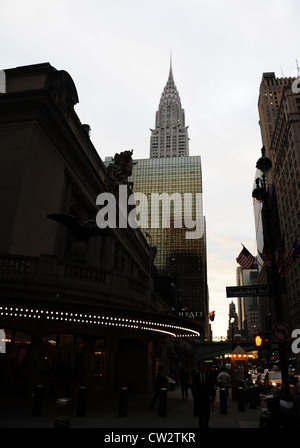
column 93, row 319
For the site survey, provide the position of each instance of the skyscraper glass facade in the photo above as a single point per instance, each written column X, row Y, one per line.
column 181, row 259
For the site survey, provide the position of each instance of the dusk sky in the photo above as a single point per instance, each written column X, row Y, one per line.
column 118, row 54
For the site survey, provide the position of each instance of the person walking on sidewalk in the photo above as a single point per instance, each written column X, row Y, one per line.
column 160, row 381
column 224, row 380
column 214, row 375
column 204, row 394
column 184, row 378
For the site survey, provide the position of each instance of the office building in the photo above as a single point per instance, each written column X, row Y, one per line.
column 233, row 326
column 180, row 249
column 178, row 258
column 247, row 306
column 279, row 115
column 170, row 136
column 285, row 151
column 270, row 93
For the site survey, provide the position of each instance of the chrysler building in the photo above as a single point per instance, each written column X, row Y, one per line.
column 170, row 136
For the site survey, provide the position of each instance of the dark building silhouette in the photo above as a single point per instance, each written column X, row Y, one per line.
column 77, row 303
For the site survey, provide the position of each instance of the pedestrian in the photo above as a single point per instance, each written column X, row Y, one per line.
column 284, row 408
column 297, row 404
column 224, row 380
column 184, row 378
column 247, row 383
column 214, row 374
column 204, row 394
column 160, row 381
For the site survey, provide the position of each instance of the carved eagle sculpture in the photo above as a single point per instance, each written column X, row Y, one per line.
column 80, row 231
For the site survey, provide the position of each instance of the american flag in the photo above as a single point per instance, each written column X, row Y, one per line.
column 266, row 256
column 280, row 256
column 297, row 255
column 212, row 315
column 292, row 256
column 245, row 259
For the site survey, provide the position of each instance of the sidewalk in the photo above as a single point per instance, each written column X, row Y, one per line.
column 104, row 413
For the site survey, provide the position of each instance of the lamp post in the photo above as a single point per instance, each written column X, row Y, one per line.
column 232, row 320
column 261, row 194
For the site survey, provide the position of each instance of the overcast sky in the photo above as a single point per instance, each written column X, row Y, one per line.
column 118, row 54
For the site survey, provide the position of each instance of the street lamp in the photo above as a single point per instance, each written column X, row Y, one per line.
column 264, row 165
column 261, row 194
column 232, row 320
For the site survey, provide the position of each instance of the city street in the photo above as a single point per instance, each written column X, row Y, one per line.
column 104, row 413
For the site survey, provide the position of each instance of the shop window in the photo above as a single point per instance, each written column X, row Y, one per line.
column 16, row 337
column 66, row 339
column 50, row 339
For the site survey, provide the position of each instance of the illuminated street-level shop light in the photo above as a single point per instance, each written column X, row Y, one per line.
column 238, row 356
column 95, row 319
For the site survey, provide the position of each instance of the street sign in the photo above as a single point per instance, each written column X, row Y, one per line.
column 247, row 291
column 281, row 332
column 190, row 314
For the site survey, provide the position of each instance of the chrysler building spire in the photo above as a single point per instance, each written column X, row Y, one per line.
column 170, row 136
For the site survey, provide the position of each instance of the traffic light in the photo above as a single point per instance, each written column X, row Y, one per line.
column 261, row 340
column 258, row 341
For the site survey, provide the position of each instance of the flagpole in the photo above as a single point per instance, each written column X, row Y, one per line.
column 263, row 267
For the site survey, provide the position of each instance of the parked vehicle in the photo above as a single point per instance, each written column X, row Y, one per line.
column 170, row 383
column 254, row 377
column 273, row 380
column 260, row 382
column 294, row 379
